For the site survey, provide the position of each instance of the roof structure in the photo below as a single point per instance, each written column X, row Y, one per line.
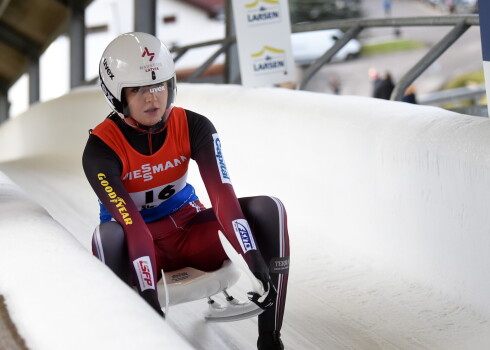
column 27, row 28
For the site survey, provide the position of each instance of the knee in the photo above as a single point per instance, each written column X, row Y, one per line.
column 107, row 234
column 109, row 246
column 274, row 203
column 262, row 206
column 266, row 216
column 111, row 231
column 269, row 201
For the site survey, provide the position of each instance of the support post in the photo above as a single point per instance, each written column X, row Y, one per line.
column 4, row 106
column 145, row 16
column 232, row 65
column 34, row 81
column 433, row 54
column 77, row 43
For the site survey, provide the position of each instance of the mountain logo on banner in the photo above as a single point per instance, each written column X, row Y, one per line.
column 263, row 12
column 269, row 60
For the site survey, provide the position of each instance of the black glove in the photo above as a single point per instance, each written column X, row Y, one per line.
column 265, row 301
column 152, row 299
column 260, row 270
column 160, row 312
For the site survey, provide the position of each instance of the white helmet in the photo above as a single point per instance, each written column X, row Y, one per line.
column 135, row 59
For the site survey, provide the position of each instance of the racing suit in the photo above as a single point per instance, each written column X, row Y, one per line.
column 152, row 219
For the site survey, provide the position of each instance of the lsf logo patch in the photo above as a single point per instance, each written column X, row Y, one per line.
column 244, row 235
column 223, row 172
column 144, row 272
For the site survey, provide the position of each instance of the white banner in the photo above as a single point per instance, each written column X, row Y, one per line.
column 263, row 30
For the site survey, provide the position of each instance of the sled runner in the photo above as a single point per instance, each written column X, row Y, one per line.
column 189, row 284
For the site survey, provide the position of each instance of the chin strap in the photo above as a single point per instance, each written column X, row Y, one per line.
column 152, row 129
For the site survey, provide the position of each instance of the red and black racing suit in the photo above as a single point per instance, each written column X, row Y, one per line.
column 151, row 219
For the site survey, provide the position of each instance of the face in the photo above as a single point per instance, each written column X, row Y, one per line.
column 147, row 103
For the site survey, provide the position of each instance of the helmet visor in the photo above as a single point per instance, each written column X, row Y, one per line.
column 140, row 91
column 163, row 92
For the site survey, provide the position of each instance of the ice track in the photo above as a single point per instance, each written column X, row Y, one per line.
column 387, row 217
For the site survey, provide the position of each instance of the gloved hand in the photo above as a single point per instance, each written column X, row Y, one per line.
column 260, row 270
column 151, row 298
column 265, row 301
column 160, row 312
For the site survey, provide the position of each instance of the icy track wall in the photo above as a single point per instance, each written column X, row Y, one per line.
column 406, row 187
column 49, row 281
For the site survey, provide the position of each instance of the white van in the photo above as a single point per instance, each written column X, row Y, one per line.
column 308, row 46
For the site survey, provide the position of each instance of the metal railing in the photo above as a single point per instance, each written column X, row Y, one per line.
column 453, row 95
column 352, row 28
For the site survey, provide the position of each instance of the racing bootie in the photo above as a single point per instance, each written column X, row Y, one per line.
column 270, row 341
